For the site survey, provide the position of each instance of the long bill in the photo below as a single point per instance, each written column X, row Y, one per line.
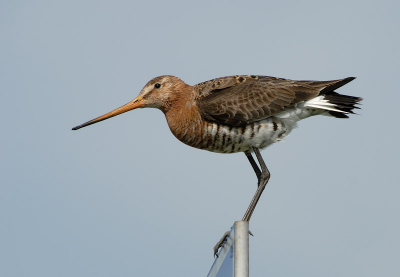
column 135, row 103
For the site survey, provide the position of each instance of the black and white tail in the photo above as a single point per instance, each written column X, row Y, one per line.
column 335, row 104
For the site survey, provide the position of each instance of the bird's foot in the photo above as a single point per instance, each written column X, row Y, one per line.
column 221, row 242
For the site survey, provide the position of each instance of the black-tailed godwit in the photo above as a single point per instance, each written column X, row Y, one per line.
column 243, row 113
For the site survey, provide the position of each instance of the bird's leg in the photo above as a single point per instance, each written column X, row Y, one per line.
column 254, row 165
column 263, row 176
column 263, row 179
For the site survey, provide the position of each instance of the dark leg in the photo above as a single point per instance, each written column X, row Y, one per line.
column 253, row 164
column 262, row 182
column 263, row 176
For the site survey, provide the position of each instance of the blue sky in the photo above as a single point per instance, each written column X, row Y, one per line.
column 124, row 197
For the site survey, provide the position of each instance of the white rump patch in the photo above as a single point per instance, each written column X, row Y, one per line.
column 320, row 103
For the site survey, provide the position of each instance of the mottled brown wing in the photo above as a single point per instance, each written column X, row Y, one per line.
column 239, row 100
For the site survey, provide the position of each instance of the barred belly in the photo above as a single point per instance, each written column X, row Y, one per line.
column 228, row 139
column 231, row 139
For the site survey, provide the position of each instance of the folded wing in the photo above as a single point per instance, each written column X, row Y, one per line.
column 240, row 100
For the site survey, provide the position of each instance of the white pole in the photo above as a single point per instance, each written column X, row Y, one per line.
column 241, row 249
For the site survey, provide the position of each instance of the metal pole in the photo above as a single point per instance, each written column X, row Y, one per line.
column 241, row 249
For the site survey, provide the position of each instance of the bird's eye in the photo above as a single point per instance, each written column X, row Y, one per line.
column 157, row 85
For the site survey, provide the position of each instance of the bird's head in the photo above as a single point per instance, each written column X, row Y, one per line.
column 160, row 92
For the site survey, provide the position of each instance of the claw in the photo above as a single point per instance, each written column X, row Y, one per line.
column 220, row 243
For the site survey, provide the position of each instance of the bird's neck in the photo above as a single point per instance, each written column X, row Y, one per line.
column 183, row 117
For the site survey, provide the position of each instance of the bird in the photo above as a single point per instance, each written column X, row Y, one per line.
column 241, row 113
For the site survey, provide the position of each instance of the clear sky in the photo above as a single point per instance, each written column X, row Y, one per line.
column 125, row 198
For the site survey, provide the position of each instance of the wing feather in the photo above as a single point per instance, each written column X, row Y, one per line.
column 242, row 99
